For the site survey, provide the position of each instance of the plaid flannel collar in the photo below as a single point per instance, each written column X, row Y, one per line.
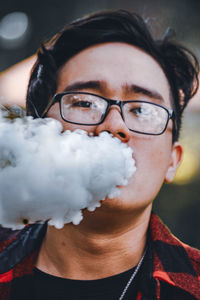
column 173, row 261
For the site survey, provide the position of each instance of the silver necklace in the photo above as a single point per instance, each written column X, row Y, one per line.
column 133, row 275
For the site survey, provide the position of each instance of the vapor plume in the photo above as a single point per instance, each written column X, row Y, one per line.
column 47, row 174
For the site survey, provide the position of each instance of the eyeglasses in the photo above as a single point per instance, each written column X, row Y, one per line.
column 84, row 108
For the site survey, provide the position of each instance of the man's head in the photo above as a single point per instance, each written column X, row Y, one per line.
column 178, row 64
column 113, row 56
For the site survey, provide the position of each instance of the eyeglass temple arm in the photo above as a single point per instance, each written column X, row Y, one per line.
column 53, row 100
column 173, row 117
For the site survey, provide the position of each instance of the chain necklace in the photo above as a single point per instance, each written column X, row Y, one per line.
column 133, row 275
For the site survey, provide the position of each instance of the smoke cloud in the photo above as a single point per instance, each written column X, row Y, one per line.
column 47, row 174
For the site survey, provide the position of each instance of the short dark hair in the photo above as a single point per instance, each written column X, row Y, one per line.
column 178, row 63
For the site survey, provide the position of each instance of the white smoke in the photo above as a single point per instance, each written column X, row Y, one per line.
column 49, row 175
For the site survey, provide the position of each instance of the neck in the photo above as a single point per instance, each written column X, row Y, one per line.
column 98, row 247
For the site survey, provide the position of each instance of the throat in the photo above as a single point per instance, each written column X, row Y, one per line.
column 75, row 253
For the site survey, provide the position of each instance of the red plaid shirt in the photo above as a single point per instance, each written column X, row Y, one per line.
column 171, row 269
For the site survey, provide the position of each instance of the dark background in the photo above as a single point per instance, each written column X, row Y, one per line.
column 177, row 204
column 47, row 17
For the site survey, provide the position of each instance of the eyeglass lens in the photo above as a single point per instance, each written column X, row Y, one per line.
column 138, row 116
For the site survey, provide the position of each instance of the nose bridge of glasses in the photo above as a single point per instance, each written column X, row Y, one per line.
column 116, row 104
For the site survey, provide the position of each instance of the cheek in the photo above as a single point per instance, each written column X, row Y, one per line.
column 152, row 157
column 158, row 159
column 54, row 112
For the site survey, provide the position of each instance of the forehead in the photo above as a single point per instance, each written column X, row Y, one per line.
column 116, row 65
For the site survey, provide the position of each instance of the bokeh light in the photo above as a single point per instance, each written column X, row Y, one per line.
column 13, row 29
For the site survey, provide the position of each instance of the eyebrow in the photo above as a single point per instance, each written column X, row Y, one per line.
column 102, row 86
column 80, row 85
column 145, row 91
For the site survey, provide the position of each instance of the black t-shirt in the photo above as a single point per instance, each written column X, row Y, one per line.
column 42, row 286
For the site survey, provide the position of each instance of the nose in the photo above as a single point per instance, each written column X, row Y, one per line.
column 115, row 125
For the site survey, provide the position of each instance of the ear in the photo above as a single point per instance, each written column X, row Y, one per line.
column 175, row 160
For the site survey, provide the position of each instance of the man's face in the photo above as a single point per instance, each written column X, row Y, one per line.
column 112, row 70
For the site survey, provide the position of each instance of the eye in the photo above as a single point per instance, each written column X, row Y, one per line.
column 82, row 103
column 137, row 110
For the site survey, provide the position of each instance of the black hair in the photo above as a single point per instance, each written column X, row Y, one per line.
column 178, row 63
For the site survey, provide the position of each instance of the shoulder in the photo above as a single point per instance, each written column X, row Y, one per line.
column 7, row 236
column 163, row 239
column 194, row 255
column 16, row 245
column 174, row 261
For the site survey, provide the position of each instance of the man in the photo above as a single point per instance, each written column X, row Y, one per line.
column 121, row 250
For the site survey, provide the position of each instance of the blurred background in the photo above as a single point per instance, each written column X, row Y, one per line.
column 25, row 24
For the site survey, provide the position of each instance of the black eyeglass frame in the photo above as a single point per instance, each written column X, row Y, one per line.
column 57, row 98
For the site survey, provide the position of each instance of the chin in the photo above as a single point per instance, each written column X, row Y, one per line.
column 128, row 204
column 116, row 204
